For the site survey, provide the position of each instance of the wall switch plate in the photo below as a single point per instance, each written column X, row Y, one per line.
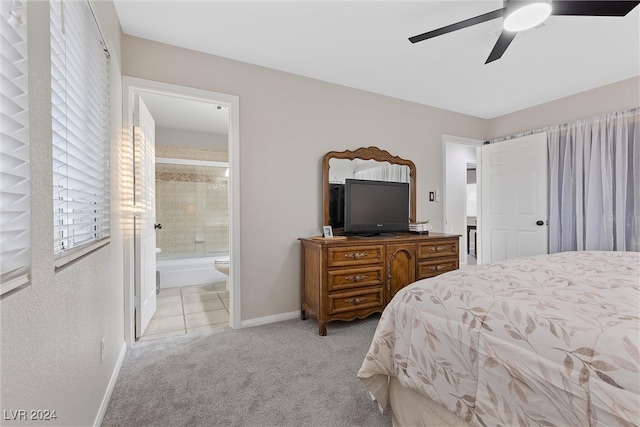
column 432, row 196
column 102, row 350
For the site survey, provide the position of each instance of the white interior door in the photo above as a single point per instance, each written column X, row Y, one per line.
column 513, row 222
column 145, row 208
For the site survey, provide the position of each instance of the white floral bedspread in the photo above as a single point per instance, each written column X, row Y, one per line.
column 550, row 340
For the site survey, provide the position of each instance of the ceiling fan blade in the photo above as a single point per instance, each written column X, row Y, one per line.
column 592, row 7
column 505, row 39
column 458, row 25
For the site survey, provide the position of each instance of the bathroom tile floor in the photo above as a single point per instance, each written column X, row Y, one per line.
column 180, row 311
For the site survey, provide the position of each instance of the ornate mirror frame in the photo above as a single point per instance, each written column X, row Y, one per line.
column 366, row 153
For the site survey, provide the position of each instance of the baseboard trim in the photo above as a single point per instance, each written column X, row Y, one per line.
column 112, row 383
column 269, row 319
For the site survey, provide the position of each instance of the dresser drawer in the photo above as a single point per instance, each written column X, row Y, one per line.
column 354, row 278
column 430, row 268
column 355, row 255
column 438, row 249
column 344, row 302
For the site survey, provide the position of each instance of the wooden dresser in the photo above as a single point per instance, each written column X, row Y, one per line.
column 352, row 278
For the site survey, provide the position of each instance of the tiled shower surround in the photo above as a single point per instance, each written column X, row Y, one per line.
column 192, row 206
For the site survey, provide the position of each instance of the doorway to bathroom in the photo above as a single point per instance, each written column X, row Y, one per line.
column 196, row 211
column 192, row 215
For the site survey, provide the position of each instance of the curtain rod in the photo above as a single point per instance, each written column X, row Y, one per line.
column 102, row 39
column 546, row 128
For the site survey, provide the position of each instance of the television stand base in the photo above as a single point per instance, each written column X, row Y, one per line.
column 376, row 235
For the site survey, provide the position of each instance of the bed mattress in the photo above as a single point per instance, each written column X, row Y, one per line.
column 546, row 340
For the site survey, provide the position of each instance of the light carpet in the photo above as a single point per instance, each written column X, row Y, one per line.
column 281, row 374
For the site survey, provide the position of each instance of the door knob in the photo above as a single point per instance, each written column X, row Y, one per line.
column 157, row 226
column 539, row 222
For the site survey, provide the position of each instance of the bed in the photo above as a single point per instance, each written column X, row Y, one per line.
column 550, row 340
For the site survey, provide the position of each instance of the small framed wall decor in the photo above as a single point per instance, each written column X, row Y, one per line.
column 327, row 232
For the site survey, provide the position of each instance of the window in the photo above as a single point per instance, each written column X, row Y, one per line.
column 80, row 111
column 15, row 209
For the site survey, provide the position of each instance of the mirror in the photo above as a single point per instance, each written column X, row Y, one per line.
column 364, row 163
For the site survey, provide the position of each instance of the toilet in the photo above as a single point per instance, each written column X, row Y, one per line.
column 222, row 265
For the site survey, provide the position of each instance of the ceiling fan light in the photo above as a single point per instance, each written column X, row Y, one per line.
column 526, row 16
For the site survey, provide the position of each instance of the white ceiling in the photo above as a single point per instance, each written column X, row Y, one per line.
column 184, row 113
column 363, row 44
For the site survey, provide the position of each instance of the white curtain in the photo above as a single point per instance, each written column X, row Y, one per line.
column 397, row 173
column 594, row 184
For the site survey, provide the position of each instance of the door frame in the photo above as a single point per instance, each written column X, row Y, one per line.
column 470, row 142
column 131, row 87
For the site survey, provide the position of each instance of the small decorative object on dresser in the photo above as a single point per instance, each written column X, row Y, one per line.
column 352, row 278
column 420, row 227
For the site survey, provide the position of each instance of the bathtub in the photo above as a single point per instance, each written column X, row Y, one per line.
column 183, row 271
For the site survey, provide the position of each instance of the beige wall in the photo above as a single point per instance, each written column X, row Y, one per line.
column 287, row 123
column 606, row 99
column 51, row 330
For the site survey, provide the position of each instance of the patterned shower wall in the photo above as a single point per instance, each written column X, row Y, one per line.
column 192, row 206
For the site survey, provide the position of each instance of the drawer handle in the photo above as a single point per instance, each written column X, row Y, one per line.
column 438, row 267
column 356, row 255
column 355, row 300
column 357, row 278
column 440, row 248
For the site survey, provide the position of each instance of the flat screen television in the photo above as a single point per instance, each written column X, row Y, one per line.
column 375, row 207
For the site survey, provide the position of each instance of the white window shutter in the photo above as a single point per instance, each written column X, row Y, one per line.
column 80, row 112
column 15, row 206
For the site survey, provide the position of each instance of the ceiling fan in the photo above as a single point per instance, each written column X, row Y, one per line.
column 520, row 15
